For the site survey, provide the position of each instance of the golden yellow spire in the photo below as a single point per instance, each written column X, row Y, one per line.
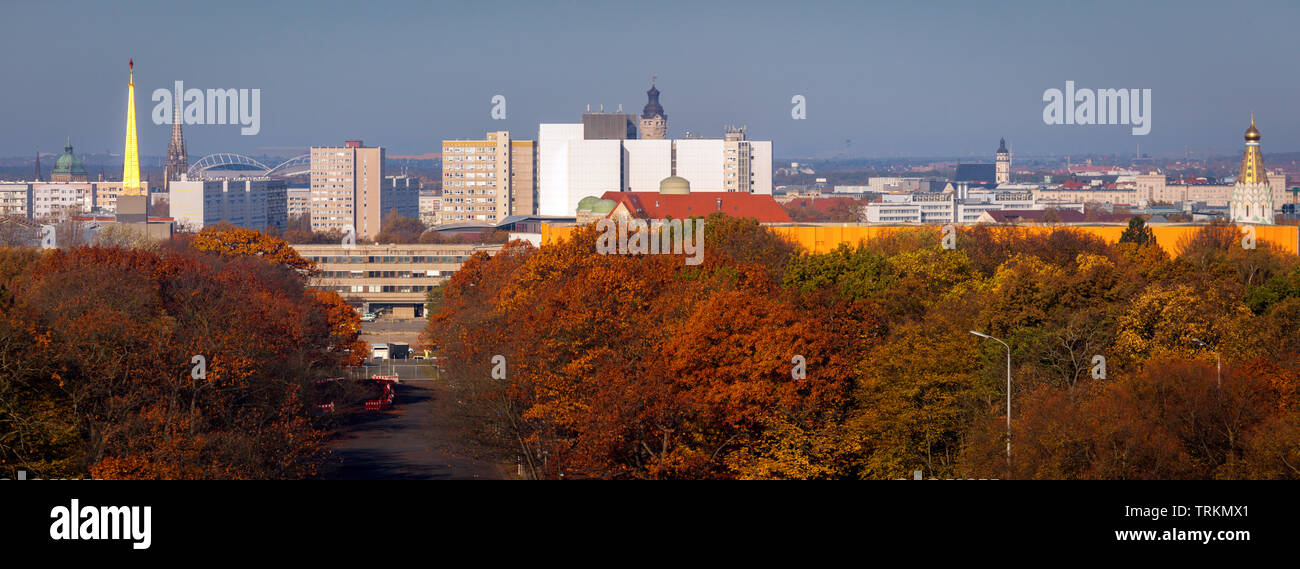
column 1252, row 161
column 131, row 156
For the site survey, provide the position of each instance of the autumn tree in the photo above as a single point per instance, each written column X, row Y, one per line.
column 228, row 241
column 397, row 228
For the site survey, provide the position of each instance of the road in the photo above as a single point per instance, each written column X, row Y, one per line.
column 418, row 439
column 388, row 329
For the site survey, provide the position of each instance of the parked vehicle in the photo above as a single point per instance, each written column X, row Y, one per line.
column 399, row 350
column 368, row 317
column 379, row 351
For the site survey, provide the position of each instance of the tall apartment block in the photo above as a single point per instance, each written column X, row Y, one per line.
column 737, row 175
column 346, row 188
column 487, row 180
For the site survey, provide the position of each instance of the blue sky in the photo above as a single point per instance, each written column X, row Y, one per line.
column 894, row 78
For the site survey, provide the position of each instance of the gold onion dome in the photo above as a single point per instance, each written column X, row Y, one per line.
column 1252, row 133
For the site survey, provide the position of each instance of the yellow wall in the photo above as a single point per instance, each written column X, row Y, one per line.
column 822, row 239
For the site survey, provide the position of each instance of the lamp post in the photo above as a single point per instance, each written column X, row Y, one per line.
column 1218, row 363
column 1004, row 344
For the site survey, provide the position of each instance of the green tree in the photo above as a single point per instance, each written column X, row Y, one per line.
column 1138, row 232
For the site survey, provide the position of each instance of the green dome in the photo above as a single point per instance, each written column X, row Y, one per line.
column 674, row 185
column 585, row 203
column 68, row 163
column 603, row 206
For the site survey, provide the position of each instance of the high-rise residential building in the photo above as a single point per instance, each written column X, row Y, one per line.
column 654, row 123
column 573, row 167
column 346, row 188
column 255, row 203
column 430, row 207
column 177, row 159
column 1252, row 196
column 487, row 180
column 298, row 202
column 1002, row 175
column 739, row 153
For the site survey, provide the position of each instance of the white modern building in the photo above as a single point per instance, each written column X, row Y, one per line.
column 254, row 203
column 959, row 206
column 571, row 167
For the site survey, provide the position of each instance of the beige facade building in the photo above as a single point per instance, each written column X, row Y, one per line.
column 488, row 180
column 346, row 188
column 737, row 156
column 297, row 202
column 430, row 208
column 15, row 199
column 1157, row 189
column 106, row 194
column 1121, row 196
column 57, row 200
column 396, row 277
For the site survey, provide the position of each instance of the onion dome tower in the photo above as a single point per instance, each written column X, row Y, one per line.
column 1252, row 196
column 654, row 123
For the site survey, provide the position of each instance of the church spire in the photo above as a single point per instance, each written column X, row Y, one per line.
column 131, row 154
column 177, row 158
column 1252, row 195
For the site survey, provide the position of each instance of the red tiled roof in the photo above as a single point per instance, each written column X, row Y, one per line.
column 654, row 205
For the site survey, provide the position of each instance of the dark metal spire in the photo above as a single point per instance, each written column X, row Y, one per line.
column 177, row 158
column 652, row 106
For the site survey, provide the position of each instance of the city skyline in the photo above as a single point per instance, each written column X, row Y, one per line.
column 944, row 81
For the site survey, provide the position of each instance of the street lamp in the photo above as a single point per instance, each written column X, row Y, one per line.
column 1004, row 344
column 1218, row 363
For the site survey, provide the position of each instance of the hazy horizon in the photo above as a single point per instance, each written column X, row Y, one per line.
column 880, row 80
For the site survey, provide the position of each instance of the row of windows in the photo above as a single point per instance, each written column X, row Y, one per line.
column 377, row 288
column 423, row 275
column 391, row 259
